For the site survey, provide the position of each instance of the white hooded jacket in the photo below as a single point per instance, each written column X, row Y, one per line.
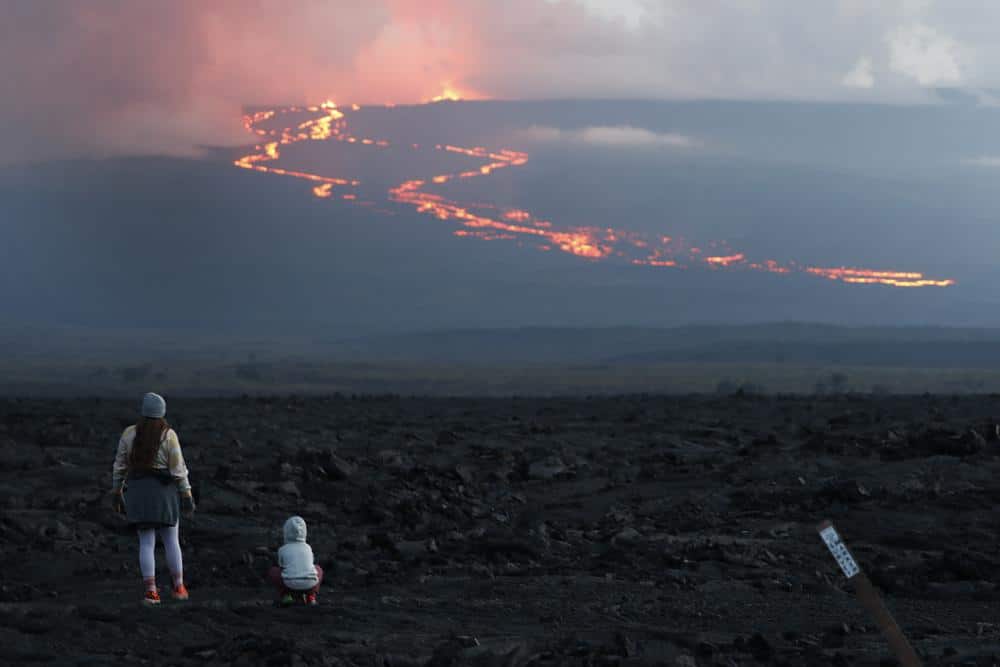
column 295, row 558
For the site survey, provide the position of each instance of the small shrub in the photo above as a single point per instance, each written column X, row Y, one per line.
column 751, row 389
column 726, row 388
column 838, row 382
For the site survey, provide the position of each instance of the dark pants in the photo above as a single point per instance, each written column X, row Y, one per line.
column 274, row 575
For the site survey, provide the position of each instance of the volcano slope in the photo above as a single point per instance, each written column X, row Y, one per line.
column 602, row 531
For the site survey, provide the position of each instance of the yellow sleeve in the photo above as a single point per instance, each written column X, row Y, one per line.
column 120, row 467
column 175, row 462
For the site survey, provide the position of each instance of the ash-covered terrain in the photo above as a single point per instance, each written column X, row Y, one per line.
column 609, row 531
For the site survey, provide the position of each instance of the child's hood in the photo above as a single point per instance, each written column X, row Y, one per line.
column 295, row 530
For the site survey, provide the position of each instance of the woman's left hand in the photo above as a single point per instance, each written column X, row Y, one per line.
column 117, row 502
column 187, row 505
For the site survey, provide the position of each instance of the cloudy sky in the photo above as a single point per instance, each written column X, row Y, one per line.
column 119, row 77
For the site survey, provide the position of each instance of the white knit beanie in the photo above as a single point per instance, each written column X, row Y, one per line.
column 153, row 405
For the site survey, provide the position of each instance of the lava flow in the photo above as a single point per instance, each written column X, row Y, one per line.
column 489, row 222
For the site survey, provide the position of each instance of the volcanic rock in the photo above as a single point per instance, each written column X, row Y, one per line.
column 339, row 469
column 445, row 438
column 96, row 613
column 547, row 468
column 412, row 550
column 465, row 473
column 289, row 488
column 759, row 647
column 627, row 537
column 390, row 458
column 617, row 531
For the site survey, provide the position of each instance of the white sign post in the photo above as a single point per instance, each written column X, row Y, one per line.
column 869, row 597
column 839, row 550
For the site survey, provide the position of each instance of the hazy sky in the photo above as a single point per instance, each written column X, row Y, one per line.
column 116, row 76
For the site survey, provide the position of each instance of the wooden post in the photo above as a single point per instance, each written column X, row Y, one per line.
column 869, row 597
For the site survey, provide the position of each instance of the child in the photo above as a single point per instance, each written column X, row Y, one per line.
column 150, row 485
column 296, row 573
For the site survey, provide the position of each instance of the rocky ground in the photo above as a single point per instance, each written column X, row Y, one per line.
column 605, row 531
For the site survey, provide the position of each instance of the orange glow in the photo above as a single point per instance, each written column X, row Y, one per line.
column 488, row 222
column 869, row 277
column 654, row 262
column 727, row 260
column 450, row 93
column 770, row 266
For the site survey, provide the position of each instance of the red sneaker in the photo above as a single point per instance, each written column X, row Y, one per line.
column 151, row 598
column 311, row 599
column 180, row 592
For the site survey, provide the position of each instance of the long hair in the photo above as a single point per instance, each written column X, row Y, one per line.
column 149, row 431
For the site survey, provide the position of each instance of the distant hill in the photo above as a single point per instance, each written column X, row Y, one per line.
column 785, row 342
column 781, row 358
column 766, row 343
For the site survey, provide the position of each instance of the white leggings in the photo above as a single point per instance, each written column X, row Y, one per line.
column 169, row 535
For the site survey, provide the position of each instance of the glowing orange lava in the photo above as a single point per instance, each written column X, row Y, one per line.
column 450, row 93
column 867, row 276
column 727, row 260
column 489, row 222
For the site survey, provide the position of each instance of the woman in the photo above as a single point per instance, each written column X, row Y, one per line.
column 150, row 485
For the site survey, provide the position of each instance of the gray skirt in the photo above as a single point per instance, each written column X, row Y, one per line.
column 152, row 501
